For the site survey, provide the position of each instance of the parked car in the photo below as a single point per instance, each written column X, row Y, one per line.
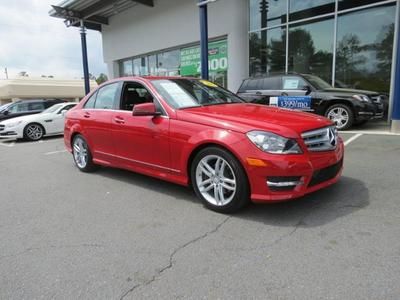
column 344, row 107
column 34, row 127
column 191, row 131
column 26, row 107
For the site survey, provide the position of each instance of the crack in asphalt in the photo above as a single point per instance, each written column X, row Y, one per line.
column 171, row 258
column 51, row 247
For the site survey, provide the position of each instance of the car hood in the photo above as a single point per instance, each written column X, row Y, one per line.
column 244, row 117
column 350, row 92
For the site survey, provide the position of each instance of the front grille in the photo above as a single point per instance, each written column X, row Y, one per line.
column 324, row 139
column 325, row 174
column 376, row 99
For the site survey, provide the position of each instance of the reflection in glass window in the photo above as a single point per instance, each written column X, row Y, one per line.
column 127, row 68
column 301, row 9
column 106, row 96
column 364, row 49
column 265, row 13
column 346, row 4
column 310, row 48
column 267, row 51
column 168, row 63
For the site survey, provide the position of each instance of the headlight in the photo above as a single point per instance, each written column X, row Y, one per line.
column 13, row 124
column 273, row 143
column 362, row 98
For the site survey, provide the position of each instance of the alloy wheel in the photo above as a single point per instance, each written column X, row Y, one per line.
column 215, row 180
column 339, row 116
column 80, row 151
column 34, row 132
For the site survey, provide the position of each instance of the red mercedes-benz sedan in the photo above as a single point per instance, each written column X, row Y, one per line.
column 193, row 132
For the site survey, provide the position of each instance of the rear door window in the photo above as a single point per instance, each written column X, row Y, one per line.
column 36, row 106
column 90, row 102
column 106, row 96
column 271, row 83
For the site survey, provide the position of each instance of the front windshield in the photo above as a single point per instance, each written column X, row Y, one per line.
column 52, row 109
column 317, row 82
column 4, row 107
column 184, row 93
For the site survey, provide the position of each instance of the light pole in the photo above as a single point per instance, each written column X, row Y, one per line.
column 204, row 37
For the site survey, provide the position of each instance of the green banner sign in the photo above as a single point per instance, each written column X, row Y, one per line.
column 217, row 58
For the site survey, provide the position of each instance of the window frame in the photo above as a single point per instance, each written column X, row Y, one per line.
column 145, row 86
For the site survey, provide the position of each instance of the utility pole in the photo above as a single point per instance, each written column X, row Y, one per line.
column 85, row 58
column 6, row 72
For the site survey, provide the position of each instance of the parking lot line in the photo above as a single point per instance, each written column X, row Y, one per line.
column 55, row 152
column 353, row 138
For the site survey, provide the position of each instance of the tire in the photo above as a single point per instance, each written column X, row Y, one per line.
column 341, row 114
column 82, row 156
column 33, row 132
column 224, row 192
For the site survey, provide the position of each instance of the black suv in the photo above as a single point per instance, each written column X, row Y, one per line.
column 310, row 93
column 26, row 107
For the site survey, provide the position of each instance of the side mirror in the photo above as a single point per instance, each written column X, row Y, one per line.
column 64, row 112
column 307, row 88
column 145, row 109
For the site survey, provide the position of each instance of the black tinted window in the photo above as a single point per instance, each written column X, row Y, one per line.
column 272, row 83
column 254, row 84
column 36, row 106
column 106, row 96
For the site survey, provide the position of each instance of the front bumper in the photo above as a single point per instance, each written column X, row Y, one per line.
column 11, row 132
column 305, row 173
column 368, row 111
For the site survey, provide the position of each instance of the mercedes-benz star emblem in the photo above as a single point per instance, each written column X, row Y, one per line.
column 332, row 137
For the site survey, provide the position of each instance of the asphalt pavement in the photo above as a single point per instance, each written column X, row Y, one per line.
column 118, row 235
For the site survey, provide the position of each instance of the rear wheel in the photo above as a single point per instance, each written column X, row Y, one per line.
column 33, row 132
column 82, row 155
column 341, row 114
column 219, row 180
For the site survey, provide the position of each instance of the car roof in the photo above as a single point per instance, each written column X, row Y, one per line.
column 275, row 75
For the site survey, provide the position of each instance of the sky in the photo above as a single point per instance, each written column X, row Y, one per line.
column 32, row 41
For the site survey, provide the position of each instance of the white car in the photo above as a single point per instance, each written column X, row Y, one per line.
column 34, row 127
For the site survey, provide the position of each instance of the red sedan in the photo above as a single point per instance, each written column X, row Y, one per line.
column 193, row 132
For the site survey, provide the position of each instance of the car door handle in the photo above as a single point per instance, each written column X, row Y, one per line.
column 284, row 94
column 86, row 115
column 258, row 93
column 119, row 120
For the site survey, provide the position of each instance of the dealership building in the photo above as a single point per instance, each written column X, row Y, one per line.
column 349, row 43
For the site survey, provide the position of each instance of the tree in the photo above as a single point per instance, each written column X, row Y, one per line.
column 101, row 78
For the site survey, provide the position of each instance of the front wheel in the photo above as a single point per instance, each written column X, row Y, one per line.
column 340, row 114
column 219, row 180
column 82, row 155
column 33, row 132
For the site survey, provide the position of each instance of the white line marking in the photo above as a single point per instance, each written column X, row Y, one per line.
column 370, row 132
column 55, row 152
column 353, row 138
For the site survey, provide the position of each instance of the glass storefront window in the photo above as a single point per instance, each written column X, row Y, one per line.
column 168, row 63
column 267, row 51
column 127, row 69
column 310, row 48
column 265, row 13
column 346, row 4
column 309, row 8
column 364, row 49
